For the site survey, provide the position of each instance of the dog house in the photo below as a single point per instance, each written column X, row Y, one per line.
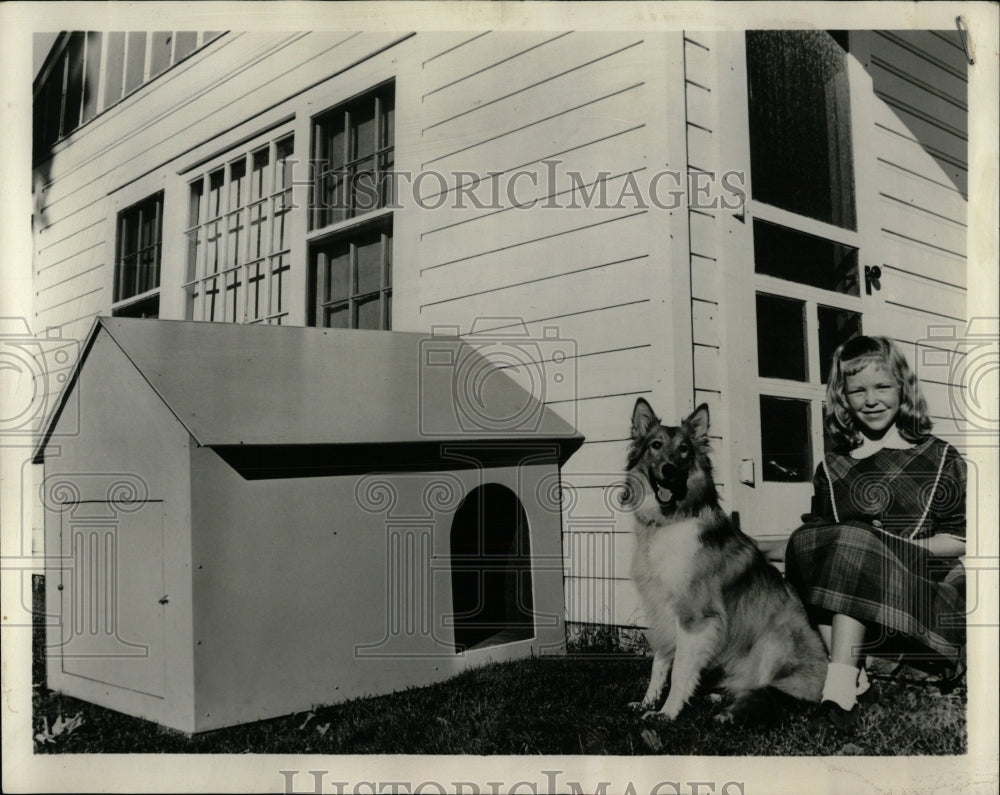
column 245, row 521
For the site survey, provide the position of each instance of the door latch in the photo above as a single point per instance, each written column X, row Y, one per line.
column 873, row 274
column 747, row 474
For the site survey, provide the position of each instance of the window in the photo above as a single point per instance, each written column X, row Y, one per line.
column 88, row 72
column 800, row 120
column 353, row 279
column 350, row 250
column 237, row 238
column 353, row 158
column 137, row 264
column 805, row 244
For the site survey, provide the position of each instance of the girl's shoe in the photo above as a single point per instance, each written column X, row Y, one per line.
column 830, row 716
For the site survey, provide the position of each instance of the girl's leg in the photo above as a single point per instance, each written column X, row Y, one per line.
column 826, row 633
column 846, row 637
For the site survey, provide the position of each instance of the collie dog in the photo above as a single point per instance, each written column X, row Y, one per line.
column 711, row 599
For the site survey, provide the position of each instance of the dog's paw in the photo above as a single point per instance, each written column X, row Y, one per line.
column 639, row 706
column 724, row 718
column 715, row 698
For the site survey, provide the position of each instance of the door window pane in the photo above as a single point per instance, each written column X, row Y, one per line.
column 800, row 124
column 785, row 439
column 836, row 326
column 781, row 338
column 807, row 259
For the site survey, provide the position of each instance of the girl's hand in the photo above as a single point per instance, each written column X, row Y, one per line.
column 942, row 545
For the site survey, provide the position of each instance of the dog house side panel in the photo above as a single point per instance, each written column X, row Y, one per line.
column 116, row 499
column 315, row 590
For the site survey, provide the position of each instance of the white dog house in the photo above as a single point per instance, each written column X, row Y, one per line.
column 255, row 519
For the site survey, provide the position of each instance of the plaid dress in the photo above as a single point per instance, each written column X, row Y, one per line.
column 851, row 556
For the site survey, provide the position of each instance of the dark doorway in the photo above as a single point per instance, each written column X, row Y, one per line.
column 491, row 569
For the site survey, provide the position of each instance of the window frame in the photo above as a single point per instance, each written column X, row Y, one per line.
column 58, row 70
column 121, row 304
column 269, row 264
column 319, row 306
column 353, row 225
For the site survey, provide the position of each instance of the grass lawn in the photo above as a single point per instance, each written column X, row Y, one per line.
column 569, row 705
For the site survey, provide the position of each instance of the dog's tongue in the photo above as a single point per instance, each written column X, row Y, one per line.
column 664, row 494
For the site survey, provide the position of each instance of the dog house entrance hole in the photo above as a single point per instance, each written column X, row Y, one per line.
column 491, row 570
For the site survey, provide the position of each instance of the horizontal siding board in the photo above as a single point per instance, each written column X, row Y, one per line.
column 597, row 457
column 700, row 107
column 586, row 245
column 87, row 274
column 606, row 418
column 706, row 279
column 905, row 221
column 923, row 100
column 597, row 601
column 703, row 235
column 701, row 149
column 698, row 64
column 597, row 554
column 707, row 368
column 904, row 185
column 574, row 119
column 589, row 177
column 946, row 52
column 909, row 155
column 448, row 70
column 705, row 323
column 912, row 326
column 920, row 69
column 493, row 97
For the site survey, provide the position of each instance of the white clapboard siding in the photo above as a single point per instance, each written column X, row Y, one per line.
column 497, row 94
column 603, row 246
column 908, row 221
column 919, row 80
column 595, row 173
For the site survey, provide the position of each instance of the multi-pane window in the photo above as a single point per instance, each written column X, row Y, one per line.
column 137, row 260
column 353, row 278
column 350, row 252
column 800, row 107
column 90, row 71
column 353, row 158
column 238, row 243
column 806, row 271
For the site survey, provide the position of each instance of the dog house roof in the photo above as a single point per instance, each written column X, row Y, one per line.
column 231, row 384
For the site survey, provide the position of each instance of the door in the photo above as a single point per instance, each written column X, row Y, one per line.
column 796, row 258
column 113, row 603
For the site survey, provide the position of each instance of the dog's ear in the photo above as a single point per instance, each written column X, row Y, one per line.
column 643, row 419
column 698, row 423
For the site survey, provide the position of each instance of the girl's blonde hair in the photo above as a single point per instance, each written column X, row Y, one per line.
column 851, row 358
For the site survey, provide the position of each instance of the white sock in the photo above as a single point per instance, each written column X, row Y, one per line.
column 863, row 683
column 841, row 685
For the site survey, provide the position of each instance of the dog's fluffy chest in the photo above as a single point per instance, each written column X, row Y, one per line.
column 663, row 562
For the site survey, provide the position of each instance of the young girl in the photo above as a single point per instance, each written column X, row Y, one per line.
column 876, row 562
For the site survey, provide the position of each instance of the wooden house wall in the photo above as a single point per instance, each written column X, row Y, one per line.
column 920, row 163
column 636, row 292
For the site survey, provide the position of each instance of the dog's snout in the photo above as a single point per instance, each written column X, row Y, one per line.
column 669, row 472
